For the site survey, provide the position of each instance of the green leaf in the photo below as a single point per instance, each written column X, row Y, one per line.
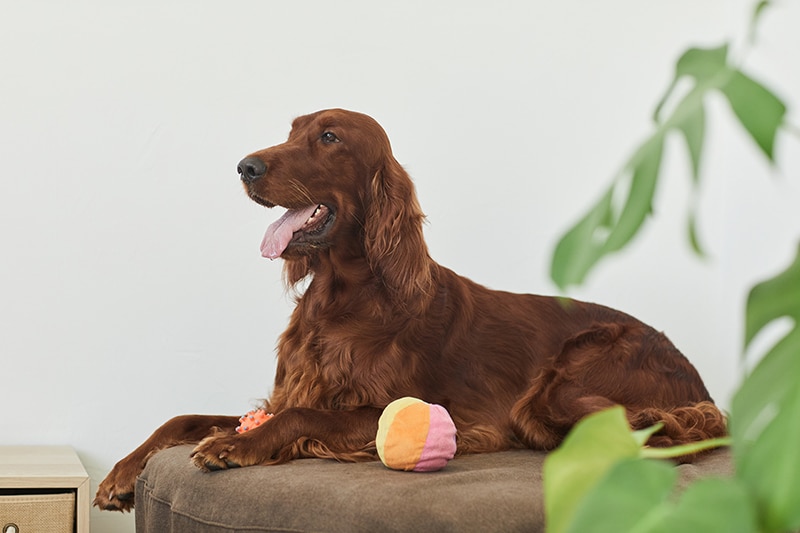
column 694, row 240
column 709, row 505
column 585, row 483
column 774, row 378
column 636, row 496
column 580, row 248
column 690, row 119
column 641, row 436
column 759, row 398
column 702, row 64
column 632, row 497
column 692, row 124
column 645, row 165
column 593, row 446
column 602, row 230
column 759, row 110
column 773, row 299
column 766, row 408
column 608, row 228
column 771, row 465
column 758, row 12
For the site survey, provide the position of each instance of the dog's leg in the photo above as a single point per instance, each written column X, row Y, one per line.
column 291, row 434
column 560, row 395
column 115, row 492
column 550, row 408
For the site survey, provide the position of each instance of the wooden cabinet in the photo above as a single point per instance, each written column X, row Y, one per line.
column 44, row 483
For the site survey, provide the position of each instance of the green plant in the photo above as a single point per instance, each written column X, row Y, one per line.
column 602, row 478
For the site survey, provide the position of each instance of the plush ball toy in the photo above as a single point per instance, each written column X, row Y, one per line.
column 414, row 435
column 252, row 419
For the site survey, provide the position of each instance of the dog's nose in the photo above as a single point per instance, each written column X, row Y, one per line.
column 251, row 168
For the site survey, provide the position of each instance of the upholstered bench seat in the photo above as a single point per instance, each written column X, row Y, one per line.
column 489, row 492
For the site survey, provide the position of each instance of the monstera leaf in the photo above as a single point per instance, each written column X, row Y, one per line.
column 623, row 208
column 600, row 479
column 765, row 419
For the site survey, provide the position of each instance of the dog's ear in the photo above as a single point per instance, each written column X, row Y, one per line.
column 393, row 238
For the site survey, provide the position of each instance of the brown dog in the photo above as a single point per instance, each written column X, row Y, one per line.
column 380, row 320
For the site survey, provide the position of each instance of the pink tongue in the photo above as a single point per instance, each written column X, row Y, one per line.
column 280, row 232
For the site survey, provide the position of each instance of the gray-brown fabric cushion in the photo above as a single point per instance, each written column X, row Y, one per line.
column 489, row 492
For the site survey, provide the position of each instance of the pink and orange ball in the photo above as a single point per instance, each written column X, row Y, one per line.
column 415, row 436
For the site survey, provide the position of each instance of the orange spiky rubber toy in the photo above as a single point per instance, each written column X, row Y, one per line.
column 252, row 419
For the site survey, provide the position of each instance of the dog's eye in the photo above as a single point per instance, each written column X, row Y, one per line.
column 329, row 138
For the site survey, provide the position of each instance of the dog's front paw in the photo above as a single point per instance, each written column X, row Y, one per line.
column 115, row 492
column 219, row 452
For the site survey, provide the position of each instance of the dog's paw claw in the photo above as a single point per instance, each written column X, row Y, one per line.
column 215, row 453
column 116, row 491
column 123, row 502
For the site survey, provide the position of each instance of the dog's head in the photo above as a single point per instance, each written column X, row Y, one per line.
column 344, row 193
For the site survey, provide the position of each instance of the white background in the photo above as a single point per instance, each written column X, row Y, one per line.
column 131, row 286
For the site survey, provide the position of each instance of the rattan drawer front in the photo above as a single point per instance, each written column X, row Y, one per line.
column 37, row 513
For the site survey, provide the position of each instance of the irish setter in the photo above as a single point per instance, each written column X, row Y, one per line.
column 379, row 319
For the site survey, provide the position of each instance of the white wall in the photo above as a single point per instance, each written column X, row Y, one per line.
column 131, row 285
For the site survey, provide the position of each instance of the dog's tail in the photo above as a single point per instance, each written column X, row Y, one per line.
column 681, row 425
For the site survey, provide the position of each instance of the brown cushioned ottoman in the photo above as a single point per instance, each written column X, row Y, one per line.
column 489, row 492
